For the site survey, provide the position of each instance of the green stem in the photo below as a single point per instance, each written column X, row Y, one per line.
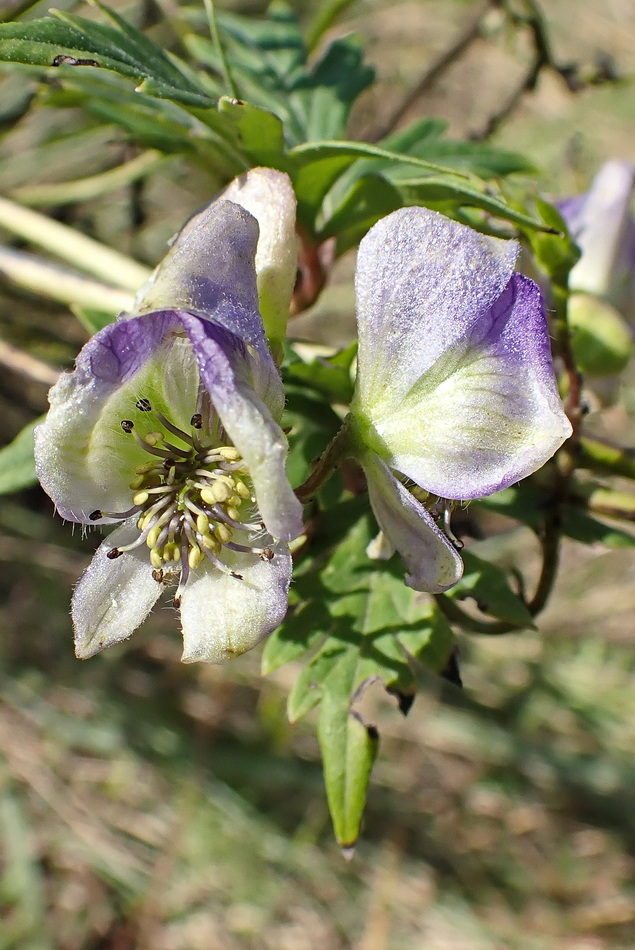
column 230, row 85
column 338, row 449
column 599, row 456
column 59, row 284
column 71, row 246
column 550, row 543
column 84, row 189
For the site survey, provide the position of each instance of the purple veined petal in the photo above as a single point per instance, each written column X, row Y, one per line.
column 488, row 413
column 112, row 597
column 433, row 563
column 81, row 464
column 422, row 283
column 210, row 271
column 249, row 424
column 268, row 195
column 223, row 616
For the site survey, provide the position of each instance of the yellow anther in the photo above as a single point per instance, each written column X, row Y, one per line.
column 194, row 557
column 211, row 543
column 208, row 496
column 229, row 453
column 233, row 513
column 153, row 536
column 155, row 559
column 140, row 498
column 235, row 501
column 152, row 438
column 225, row 478
column 137, row 482
column 143, row 518
column 144, row 469
column 223, row 532
column 176, row 552
column 241, row 489
column 202, row 524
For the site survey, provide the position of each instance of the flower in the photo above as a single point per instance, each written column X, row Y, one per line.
column 169, row 425
column 455, row 393
column 601, row 223
column 602, row 283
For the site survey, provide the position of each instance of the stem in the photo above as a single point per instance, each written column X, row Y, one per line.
column 337, row 450
column 27, row 366
column 59, row 284
column 213, row 28
column 84, row 189
column 550, row 544
column 73, row 247
column 599, row 456
column 465, row 38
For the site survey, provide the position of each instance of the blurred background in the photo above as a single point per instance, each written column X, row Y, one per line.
column 145, row 804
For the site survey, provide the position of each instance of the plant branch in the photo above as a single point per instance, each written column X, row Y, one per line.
column 50, row 280
column 67, row 243
column 550, row 547
column 83, row 189
column 338, row 449
column 466, row 37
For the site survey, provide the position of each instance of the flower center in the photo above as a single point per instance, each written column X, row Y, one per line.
column 191, row 499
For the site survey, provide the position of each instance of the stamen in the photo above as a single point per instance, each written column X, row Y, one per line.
column 188, row 500
column 115, row 515
column 174, row 429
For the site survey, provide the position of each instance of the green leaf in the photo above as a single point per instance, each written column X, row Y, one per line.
column 556, row 253
column 330, row 376
column 17, row 467
column 581, row 526
column 312, row 423
column 349, row 748
column 297, row 635
column 325, row 16
column 315, row 167
column 473, row 157
column 323, row 97
column 307, row 689
column 93, row 320
column 447, row 195
column 370, row 198
column 260, row 132
column 487, row 584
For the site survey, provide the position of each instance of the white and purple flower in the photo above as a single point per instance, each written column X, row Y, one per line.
column 601, row 223
column 455, row 391
column 169, row 425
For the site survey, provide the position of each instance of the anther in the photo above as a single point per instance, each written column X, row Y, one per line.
column 143, row 405
column 157, row 575
column 196, row 421
column 127, row 425
column 95, row 515
column 113, row 553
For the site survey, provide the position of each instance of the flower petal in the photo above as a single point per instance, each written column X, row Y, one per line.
column 225, row 368
column 223, row 616
column 82, row 456
column 422, row 282
column 600, row 222
column 210, row 271
column 268, row 195
column 112, row 597
column 432, row 561
column 489, row 413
